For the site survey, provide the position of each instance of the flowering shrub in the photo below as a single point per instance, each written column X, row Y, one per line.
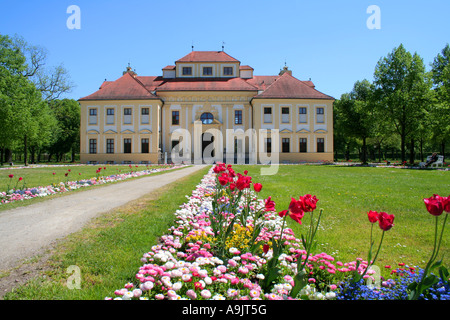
column 228, row 244
column 15, row 194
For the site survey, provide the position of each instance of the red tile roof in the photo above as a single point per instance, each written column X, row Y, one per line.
column 206, row 84
column 133, row 87
column 288, row 87
column 207, row 56
column 126, row 87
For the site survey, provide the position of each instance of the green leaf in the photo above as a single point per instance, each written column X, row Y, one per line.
column 436, row 264
column 429, row 281
column 300, row 281
column 444, row 274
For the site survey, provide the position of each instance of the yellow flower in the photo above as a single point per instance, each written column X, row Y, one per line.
column 240, row 237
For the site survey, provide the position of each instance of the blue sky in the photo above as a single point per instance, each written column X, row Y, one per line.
column 325, row 40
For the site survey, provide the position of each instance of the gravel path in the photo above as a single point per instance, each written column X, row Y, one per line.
column 27, row 231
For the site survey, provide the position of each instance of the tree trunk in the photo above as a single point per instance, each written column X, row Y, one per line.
column 421, row 149
column 443, row 148
column 403, row 146
column 364, row 152
column 33, row 154
column 8, row 156
column 411, row 152
column 379, row 153
column 25, row 151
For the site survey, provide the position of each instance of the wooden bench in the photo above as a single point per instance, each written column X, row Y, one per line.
column 439, row 162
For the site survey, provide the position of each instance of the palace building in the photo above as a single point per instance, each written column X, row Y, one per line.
column 206, row 101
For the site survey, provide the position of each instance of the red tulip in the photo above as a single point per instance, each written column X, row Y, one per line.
column 446, row 203
column 282, row 213
column 66, row 174
column 243, row 182
column 219, row 168
column 296, row 206
column 223, row 179
column 269, row 204
column 386, row 221
column 373, row 216
column 434, row 205
column 257, row 187
column 20, row 178
column 297, row 217
column 309, row 202
column 296, row 211
column 266, row 248
column 11, row 176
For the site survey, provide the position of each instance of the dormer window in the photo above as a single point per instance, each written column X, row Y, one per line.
column 187, row 71
column 227, row 71
column 207, row 118
column 207, row 71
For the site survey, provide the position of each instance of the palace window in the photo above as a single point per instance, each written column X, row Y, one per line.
column 227, row 71
column 320, row 145
column 285, row 115
column 145, row 145
column 285, row 145
column 207, row 71
column 109, row 116
column 145, row 115
column 238, row 117
column 303, row 145
column 302, row 115
column 92, row 145
column 127, row 145
column 175, row 118
column 109, row 145
column 92, row 116
column 187, row 71
column 267, row 115
column 127, row 116
column 320, row 112
column 207, row 118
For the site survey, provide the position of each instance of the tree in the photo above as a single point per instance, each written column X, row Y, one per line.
column 24, row 116
column 402, row 89
column 358, row 113
column 11, row 83
column 440, row 118
column 67, row 114
column 52, row 82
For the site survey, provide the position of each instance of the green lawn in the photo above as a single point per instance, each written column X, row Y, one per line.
column 43, row 176
column 346, row 194
column 109, row 249
column 48, row 175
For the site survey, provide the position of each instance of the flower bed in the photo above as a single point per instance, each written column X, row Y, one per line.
column 42, row 191
column 226, row 244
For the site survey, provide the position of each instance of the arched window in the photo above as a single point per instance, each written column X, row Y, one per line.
column 207, row 118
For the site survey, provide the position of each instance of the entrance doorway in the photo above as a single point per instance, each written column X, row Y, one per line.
column 208, row 145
